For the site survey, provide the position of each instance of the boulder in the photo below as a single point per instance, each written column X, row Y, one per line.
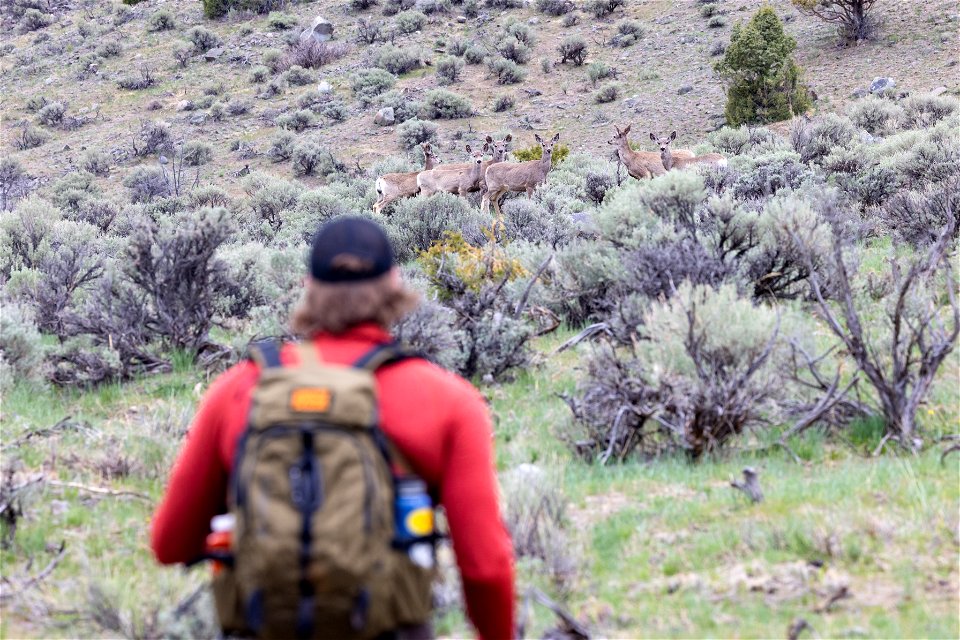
column 212, row 54
column 385, row 117
column 324, row 88
column 938, row 91
column 461, row 19
column 320, row 31
column 882, row 84
column 185, row 105
column 687, row 88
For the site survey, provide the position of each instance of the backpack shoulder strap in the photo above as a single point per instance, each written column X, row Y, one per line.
column 266, row 353
column 384, row 354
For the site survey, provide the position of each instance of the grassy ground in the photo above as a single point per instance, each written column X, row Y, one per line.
column 664, row 550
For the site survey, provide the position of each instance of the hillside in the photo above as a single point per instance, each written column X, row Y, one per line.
column 917, row 47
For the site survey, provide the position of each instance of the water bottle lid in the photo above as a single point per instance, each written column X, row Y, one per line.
column 408, row 486
column 222, row 522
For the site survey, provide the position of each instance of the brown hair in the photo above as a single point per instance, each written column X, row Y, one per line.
column 334, row 307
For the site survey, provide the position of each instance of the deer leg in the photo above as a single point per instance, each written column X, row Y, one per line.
column 529, row 193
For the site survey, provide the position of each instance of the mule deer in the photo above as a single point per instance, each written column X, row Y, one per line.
column 394, row 186
column 455, row 181
column 641, row 164
column 500, row 149
column 517, row 176
column 672, row 161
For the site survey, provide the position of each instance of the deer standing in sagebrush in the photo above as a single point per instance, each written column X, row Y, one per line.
column 455, row 181
column 517, row 176
column 500, row 149
column 671, row 161
column 394, row 186
column 641, row 164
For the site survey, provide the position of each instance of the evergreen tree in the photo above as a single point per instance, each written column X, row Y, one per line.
column 765, row 82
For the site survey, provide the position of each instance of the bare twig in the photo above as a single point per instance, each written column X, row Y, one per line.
column 588, row 332
column 44, row 573
column 526, row 292
column 103, row 491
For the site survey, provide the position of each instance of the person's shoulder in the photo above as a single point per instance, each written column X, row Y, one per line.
column 430, row 374
column 236, row 380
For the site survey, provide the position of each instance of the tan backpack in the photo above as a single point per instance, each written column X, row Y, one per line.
column 313, row 496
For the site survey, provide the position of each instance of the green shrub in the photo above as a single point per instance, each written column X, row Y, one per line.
column 280, row 21
column 877, row 116
column 926, row 110
column 607, row 93
column 515, row 51
column 216, row 8
column 21, row 346
column 297, row 121
column 52, row 114
column 603, row 8
column 392, row 7
column 203, row 39
column 197, row 153
column 162, row 20
column 474, row 55
column 598, row 71
column 396, row 60
column 410, row 21
column 440, row 104
column 458, row 47
column 34, row 19
column 535, row 152
column 147, row 183
column 309, row 158
column 765, row 83
column 555, row 7
column 404, row 107
column 414, row 132
column 260, row 74
column 367, row 84
column 449, row 69
column 503, row 103
column 110, row 49
column 507, row 71
column 269, row 200
column 30, row 137
column 281, row 146
column 717, row 22
column 573, row 49
column 298, row 76
column 419, row 222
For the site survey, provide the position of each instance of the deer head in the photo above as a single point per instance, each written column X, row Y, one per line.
column 547, row 146
column 500, row 148
column 663, row 143
column 429, row 153
column 478, row 154
column 621, row 135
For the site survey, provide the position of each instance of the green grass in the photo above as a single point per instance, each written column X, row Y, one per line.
column 665, row 549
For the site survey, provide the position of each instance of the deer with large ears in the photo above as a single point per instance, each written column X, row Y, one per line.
column 394, row 186
column 671, row 161
column 640, row 164
column 517, row 176
column 500, row 149
column 456, row 181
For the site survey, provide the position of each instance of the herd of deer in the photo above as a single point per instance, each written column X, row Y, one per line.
column 494, row 178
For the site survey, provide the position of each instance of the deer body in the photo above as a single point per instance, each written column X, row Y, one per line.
column 671, row 160
column 499, row 154
column 394, row 186
column 641, row 164
column 458, row 180
column 517, row 176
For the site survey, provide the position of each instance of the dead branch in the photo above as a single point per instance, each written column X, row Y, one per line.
column 103, row 491
column 750, row 485
column 30, row 582
column 573, row 629
column 839, row 594
column 588, row 332
column 526, row 292
column 947, row 451
column 66, row 424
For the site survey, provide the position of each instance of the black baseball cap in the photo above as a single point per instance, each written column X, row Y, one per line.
column 350, row 249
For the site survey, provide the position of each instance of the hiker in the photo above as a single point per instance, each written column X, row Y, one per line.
column 279, row 578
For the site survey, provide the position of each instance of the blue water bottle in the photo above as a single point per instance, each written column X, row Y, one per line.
column 413, row 514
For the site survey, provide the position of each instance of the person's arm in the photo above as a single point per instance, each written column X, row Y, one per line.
column 480, row 539
column 198, row 482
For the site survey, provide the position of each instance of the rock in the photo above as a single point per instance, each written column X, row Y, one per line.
column 213, row 54
column 882, row 84
column 320, row 31
column 184, row 105
column 533, row 20
column 66, row 147
column 198, row 119
column 866, row 138
column 859, row 93
column 687, row 88
column 938, row 91
column 163, row 160
column 462, row 19
column 384, row 117
column 325, row 88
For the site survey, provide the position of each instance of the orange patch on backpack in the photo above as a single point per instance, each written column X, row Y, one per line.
column 310, row 400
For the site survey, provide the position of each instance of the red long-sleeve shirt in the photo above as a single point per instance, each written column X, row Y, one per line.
column 436, row 419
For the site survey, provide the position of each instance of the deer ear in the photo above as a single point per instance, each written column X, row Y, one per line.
column 627, row 130
column 508, row 138
column 673, row 135
column 488, row 139
column 538, row 138
column 653, row 137
column 468, row 148
column 556, row 137
column 617, row 129
column 486, row 147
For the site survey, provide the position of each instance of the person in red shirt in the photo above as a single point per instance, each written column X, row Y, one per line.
column 436, row 419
